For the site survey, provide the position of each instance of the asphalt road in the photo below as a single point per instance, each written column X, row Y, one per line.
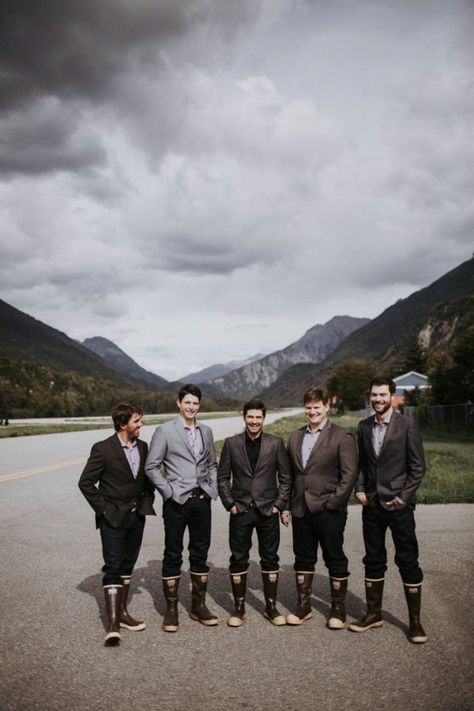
column 51, row 625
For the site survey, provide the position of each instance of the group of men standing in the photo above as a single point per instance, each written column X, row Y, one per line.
column 260, row 483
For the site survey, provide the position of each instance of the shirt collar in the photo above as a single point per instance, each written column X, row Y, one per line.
column 319, row 429
column 386, row 420
column 126, row 446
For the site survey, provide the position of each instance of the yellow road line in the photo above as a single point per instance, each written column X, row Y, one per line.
column 42, row 470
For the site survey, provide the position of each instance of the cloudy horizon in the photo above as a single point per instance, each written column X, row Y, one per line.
column 201, row 181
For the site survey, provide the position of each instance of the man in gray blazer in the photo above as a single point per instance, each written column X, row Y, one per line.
column 184, row 449
column 392, row 465
column 254, row 485
column 323, row 460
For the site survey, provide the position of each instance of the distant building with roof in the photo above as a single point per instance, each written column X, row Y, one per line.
column 406, row 382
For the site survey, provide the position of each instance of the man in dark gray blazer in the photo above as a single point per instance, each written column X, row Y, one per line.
column 392, row 465
column 254, row 485
column 323, row 460
column 114, row 484
column 184, row 449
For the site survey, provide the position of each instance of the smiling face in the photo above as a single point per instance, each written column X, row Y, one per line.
column 254, row 420
column 380, row 399
column 132, row 429
column 316, row 412
column 188, row 408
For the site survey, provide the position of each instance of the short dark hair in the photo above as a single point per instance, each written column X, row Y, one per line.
column 190, row 389
column 383, row 380
column 122, row 413
column 315, row 394
column 254, row 405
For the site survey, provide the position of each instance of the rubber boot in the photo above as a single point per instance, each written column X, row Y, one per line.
column 170, row 590
column 304, row 583
column 337, row 619
column 270, row 585
column 373, row 616
column 239, row 587
column 112, row 594
column 126, row 620
column 416, row 633
column 199, row 611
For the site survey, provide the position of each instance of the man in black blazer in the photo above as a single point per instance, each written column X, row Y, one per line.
column 392, row 465
column 323, row 461
column 114, row 484
column 253, row 481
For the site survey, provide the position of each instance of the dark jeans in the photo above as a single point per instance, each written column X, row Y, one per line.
column 195, row 514
column 120, row 547
column 325, row 528
column 375, row 521
column 241, row 527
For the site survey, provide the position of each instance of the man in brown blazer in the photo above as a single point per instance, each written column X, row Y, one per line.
column 253, row 481
column 115, row 485
column 392, row 465
column 323, row 461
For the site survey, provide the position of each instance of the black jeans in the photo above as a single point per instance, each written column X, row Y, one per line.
column 375, row 521
column 120, row 547
column 241, row 527
column 325, row 528
column 195, row 514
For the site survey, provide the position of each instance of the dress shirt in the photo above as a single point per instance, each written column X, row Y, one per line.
column 309, row 440
column 194, row 436
column 253, row 449
column 379, row 430
column 132, row 454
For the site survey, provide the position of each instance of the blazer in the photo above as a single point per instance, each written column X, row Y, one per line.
column 109, row 486
column 327, row 479
column 269, row 485
column 181, row 471
column 400, row 466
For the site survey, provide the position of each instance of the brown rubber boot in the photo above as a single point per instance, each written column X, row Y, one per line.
column 126, row 620
column 416, row 633
column 270, row 585
column 112, row 594
column 239, row 587
column 199, row 611
column 373, row 616
column 304, row 583
column 170, row 590
column 337, row 619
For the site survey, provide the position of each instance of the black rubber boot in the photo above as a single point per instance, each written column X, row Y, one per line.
column 113, row 595
column 337, row 618
column 199, row 611
column 304, row 583
column 373, row 617
column 126, row 620
column 239, row 588
column 270, row 585
column 170, row 589
column 416, row 633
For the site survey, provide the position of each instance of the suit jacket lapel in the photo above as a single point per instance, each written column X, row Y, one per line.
column 297, row 446
column 322, row 437
column 388, row 434
column 182, row 434
column 244, row 455
column 264, row 449
column 369, row 441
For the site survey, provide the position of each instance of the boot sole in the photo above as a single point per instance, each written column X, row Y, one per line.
column 235, row 621
column 277, row 621
column 374, row 625
column 206, row 623
column 335, row 624
column 418, row 640
column 294, row 620
column 169, row 628
column 135, row 628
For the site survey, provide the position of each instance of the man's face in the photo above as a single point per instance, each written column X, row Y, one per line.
column 380, row 399
column 254, row 422
column 316, row 412
column 132, row 428
column 188, row 407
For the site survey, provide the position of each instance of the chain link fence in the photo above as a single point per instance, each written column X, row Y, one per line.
column 455, row 419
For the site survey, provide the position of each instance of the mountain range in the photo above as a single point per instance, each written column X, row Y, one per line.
column 435, row 317
column 114, row 356
column 314, row 346
column 218, row 370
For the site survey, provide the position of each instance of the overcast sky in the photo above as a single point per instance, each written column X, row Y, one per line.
column 202, row 180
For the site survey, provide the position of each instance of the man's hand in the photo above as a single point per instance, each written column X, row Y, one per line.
column 234, row 510
column 285, row 517
column 275, row 510
column 362, row 499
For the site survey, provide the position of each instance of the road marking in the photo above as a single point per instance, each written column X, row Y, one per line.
column 42, row 470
